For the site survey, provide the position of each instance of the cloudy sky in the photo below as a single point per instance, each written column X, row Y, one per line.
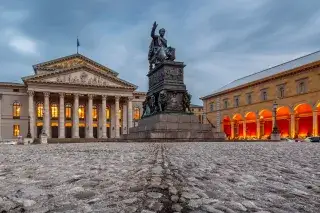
column 219, row 40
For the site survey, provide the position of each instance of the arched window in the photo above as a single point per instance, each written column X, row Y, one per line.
column 81, row 112
column 136, row 113
column 16, row 109
column 108, row 112
column 301, row 87
column 68, row 111
column 94, row 112
column 40, row 110
column 54, row 111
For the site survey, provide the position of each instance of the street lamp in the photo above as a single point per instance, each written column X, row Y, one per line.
column 275, row 134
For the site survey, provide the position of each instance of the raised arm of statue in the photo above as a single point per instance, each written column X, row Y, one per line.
column 154, row 27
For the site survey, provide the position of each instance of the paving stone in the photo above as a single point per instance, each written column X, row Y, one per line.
column 154, row 195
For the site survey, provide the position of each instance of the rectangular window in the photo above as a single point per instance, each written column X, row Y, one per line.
column 15, row 90
column 225, row 104
column 68, row 111
column 264, row 95
column 95, row 113
column 249, row 98
column 54, row 111
column 302, row 85
column 16, row 130
column 211, row 107
column 108, row 113
column 236, row 101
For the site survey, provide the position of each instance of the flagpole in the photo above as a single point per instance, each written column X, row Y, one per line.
column 77, row 45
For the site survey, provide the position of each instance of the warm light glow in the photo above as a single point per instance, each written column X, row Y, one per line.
column 94, row 112
column 16, row 130
column 40, row 110
column 136, row 113
column 283, row 111
column 16, row 109
column 251, row 116
column 81, row 112
column 303, row 109
column 54, row 111
column 54, row 124
column 108, row 113
column 265, row 113
column 40, row 123
column 68, row 111
column 237, row 117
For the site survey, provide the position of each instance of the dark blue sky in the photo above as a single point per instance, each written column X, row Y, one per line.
column 218, row 40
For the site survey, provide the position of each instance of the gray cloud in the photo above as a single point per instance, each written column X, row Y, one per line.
column 218, row 40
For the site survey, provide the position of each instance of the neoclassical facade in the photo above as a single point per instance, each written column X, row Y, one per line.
column 244, row 108
column 69, row 97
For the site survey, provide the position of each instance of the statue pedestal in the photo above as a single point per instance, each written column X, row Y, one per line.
column 172, row 127
column 165, row 118
column 275, row 136
column 44, row 138
column 27, row 140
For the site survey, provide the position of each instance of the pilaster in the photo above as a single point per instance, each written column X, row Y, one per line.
column 315, row 123
column 117, row 123
column 31, row 113
column 130, row 122
column 125, row 119
column 75, row 119
column 90, row 120
column 292, row 125
column 46, row 113
column 104, row 116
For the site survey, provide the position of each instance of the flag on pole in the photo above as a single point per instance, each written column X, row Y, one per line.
column 78, row 44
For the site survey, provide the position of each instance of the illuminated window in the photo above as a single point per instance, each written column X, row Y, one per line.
column 81, row 112
column 108, row 113
column 94, row 112
column 136, row 113
column 16, row 130
column 16, row 109
column 68, row 111
column 40, row 110
column 54, row 111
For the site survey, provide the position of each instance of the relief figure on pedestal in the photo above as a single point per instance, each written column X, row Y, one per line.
column 158, row 49
column 162, row 101
column 186, row 101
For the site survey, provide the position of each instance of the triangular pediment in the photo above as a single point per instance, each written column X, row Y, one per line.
column 69, row 62
column 82, row 75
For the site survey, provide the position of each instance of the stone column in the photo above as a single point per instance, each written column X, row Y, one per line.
column 46, row 113
column 75, row 119
column 232, row 129
column 90, row 120
column 104, row 116
column 130, row 123
column 125, row 119
column 315, row 122
column 61, row 116
column 117, row 126
column 292, row 125
column 244, row 129
column 258, row 128
column 31, row 113
column 113, row 121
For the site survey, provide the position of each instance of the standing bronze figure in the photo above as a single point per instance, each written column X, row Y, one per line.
column 159, row 51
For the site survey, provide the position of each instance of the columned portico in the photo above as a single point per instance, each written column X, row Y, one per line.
column 104, row 116
column 75, row 124
column 31, row 113
column 46, row 113
column 117, row 113
column 61, row 116
column 90, row 119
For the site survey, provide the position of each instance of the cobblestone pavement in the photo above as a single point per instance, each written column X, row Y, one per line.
column 148, row 178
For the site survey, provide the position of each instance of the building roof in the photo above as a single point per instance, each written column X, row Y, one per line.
column 307, row 59
column 77, row 55
column 12, row 84
column 195, row 106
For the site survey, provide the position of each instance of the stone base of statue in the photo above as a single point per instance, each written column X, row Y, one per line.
column 44, row 138
column 166, row 114
column 172, row 127
column 275, row 134
column 28, row 141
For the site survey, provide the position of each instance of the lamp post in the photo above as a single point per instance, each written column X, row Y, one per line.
column 29, row 131
column 275, row 134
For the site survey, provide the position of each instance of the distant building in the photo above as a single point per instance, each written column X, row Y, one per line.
column 69, row 97
column 198, row 111
column 243, row 108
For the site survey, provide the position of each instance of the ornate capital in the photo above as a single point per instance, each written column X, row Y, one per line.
column 104, row 97
column 46, row 94
column 117, row 98
column 30, row 92
column 130, row 98
column 62, row 94
column 90, row 96
column 76, row 95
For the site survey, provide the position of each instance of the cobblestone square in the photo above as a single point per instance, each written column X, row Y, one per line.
column 167, row 177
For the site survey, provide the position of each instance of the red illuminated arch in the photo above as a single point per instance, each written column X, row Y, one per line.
column 283, row 120
column 303, row 112
column 227, row 126
column 265, row 123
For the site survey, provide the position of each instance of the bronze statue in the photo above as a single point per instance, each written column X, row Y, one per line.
column 158, row 49
column 162, row 100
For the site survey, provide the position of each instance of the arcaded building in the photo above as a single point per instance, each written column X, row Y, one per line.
column 69, row 97
column 244, row 107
